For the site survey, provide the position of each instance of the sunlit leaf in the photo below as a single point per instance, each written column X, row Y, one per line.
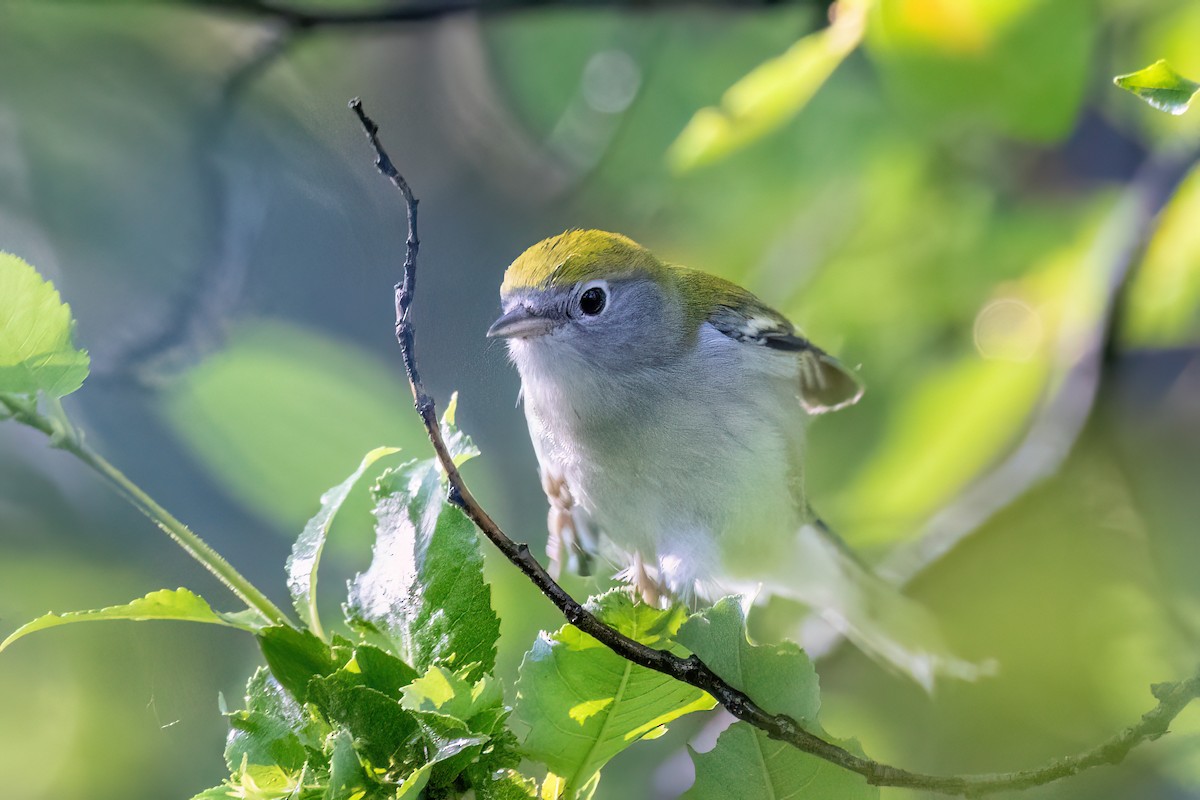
column 306, row 553
column 424, row 589
column 168, row 604
column 36, row 353
column 584, row 704
column 1163, row 299
column 1161, row 87
column 771, row 94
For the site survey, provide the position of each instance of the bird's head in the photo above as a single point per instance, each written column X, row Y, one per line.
column 591, row 297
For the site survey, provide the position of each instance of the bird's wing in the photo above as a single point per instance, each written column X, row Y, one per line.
column 825, row 383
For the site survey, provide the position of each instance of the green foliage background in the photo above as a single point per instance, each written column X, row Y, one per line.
column 937, row 213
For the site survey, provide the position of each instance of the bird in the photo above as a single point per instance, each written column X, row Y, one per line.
column 667, row 408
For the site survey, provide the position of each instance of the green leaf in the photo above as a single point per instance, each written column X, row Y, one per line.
column 306, row 553
column 770, row 94
column 584, row 704
column 746, row 763
column 237, row 412
column 1161, row 87
column 1019, row 67
column 171, row 604
column 36, row 353
column 749, row 765
column 382, row 730
column 424, row 589
column 272, row 729
column 452, row 694
column 505, row 785
column 295, row 658
column 347, row 780
column 382, row 671
column 221, row 792
column 779, row 677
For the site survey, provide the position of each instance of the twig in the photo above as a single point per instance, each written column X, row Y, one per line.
column 691, row 670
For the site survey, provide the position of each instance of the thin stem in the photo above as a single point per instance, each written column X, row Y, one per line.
column 64, row 437
column 691, row 670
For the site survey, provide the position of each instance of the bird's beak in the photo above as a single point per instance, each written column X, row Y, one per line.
column 520, row 323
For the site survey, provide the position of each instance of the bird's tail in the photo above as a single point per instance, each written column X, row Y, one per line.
column 849, row 600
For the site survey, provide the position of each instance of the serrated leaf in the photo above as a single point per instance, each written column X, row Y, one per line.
column 306, row 553
column 382, row 671
column 1161, row 87
column 746, row 763
column 749, row 765
column 505, row 785
column 36, row 352
column 259, row 738
column 452, row 694
column 382, row 731
column 347, row 780
column 270, row 730
column 780, row 678
column 221, row 792
column 167, row 604
column 584, row 704
column 295, row 658
column 424, row 589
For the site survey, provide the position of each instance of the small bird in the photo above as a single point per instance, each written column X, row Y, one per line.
column 667, row 409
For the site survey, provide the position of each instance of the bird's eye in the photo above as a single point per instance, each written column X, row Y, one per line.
column 592, row 301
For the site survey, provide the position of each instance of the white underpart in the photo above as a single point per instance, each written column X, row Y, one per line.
column 688, row 464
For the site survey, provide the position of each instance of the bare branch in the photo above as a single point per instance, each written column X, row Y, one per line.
column 691, row 670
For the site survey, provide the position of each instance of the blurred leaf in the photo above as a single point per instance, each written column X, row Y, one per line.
column 780, row 677
column 1020, row 66
column 243, row 410
column 771, row 94
column 749, row 765
column 1163, row 298
column 1161, row 87
column 306, row 553
column 424, row 589
column 295, row 658
column 969, row 411
column 170, row 604
column 36, row 353
column 584, row 704
column 950, row 428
